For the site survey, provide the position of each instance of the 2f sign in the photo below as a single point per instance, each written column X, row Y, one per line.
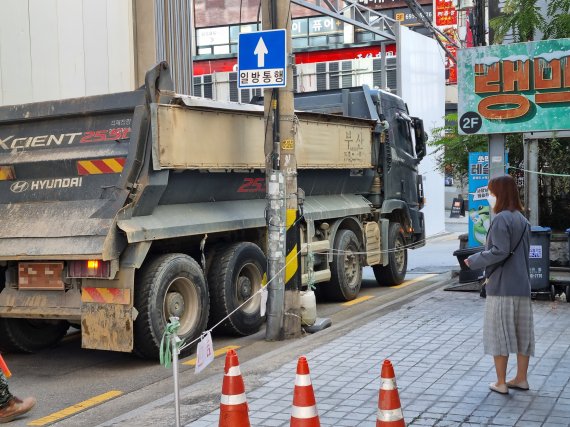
column 470, row 122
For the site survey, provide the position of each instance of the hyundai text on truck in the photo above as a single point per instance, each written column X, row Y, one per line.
column 119, row 211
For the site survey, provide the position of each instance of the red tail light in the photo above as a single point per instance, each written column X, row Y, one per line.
column 89, row 268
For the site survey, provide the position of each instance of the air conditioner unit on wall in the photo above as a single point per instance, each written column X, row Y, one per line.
column 204, row 86
column 334, row 75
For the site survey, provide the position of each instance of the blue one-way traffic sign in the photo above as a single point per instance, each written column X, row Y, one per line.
column 262, row 59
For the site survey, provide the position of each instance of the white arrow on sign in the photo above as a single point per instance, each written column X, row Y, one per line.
column 260, row 51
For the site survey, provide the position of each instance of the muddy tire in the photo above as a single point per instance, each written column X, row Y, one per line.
column 169, row 285
column 395, row 272
column 30, row 335
column 346, row 268
column 235, row 275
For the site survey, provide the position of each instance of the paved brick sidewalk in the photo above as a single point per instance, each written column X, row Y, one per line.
column 435, row 345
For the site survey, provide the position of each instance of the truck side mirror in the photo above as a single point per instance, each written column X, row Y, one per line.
column 420, row 136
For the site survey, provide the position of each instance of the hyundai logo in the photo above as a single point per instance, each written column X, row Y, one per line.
column 19, row 187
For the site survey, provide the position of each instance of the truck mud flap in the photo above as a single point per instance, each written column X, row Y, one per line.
column 106, row 319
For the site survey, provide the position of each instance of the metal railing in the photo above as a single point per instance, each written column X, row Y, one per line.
column 353, row 13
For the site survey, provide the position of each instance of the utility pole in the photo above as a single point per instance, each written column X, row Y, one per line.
column 283, row 306
column 530, row 146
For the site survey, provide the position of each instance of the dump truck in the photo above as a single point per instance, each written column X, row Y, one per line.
column 122, row 210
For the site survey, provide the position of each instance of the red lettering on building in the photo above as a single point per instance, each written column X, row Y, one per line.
column 547, row 74
column 552, row 97
column 508, row 107
column 516, row 72
column 545, row 79
column 487, row 78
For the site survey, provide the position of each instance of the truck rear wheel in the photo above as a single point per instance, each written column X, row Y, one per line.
column 395, row 272
column 235, row 275
column 170, row 285
column 346, row 268
column 30, row 335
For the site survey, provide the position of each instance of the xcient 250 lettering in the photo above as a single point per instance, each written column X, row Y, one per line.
column 14, row 143
column 106, row 135
column 252, row 185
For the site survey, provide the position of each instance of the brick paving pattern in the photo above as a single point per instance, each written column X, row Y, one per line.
column 435, row 345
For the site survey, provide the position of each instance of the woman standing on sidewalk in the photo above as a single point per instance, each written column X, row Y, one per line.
column 508, row 325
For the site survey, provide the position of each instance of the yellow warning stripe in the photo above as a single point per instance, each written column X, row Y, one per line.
column 106, row 295
column 89, row 167
column 86, row 404
column 291, row 216
column 218, row 352
column 291, row 259
column 114, row 164
column 412, row 281
column 357, row 300
column 97, row 167
column 291, row 264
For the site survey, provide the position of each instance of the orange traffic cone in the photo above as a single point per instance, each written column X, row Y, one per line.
column 304, row 412
column 389, row 407
column 233, row 407
column 4, row 368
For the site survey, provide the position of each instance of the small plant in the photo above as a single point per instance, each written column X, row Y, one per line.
column 453, row 149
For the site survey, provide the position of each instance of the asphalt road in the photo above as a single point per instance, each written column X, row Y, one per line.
column 77, row 387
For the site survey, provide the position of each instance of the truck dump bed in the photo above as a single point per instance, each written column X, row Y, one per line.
column 202, row 134
column 60, row 176
column 65, row 165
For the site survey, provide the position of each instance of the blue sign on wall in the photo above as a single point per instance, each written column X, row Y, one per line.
column 479, row 211
column 262, row 60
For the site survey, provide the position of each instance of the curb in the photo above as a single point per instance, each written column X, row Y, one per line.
column 306, row 343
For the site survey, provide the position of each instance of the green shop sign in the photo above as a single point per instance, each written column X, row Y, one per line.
column 521, row 87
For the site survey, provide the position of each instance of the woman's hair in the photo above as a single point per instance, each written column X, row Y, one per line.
column 507, row 193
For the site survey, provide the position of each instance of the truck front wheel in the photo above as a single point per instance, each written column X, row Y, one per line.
column 346, row 268
column 170, row 285
column 30, row 335
column 395, row 272
column 235, row 276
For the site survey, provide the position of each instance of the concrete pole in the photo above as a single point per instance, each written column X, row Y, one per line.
column 284, row 313
column 531, row 180
column 496, row 155
column 526, row 195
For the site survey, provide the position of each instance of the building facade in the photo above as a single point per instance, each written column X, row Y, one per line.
column 54, row 49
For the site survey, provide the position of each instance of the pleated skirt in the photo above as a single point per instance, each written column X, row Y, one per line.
column 508, row 326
